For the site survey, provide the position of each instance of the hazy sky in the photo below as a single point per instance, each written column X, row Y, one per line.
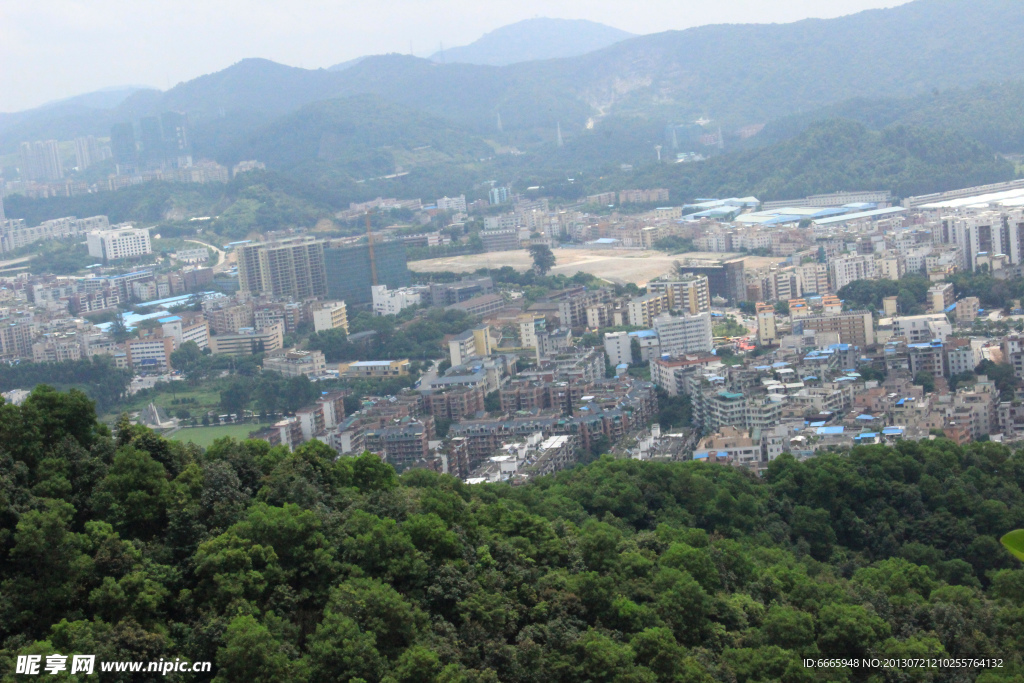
column 50, row 49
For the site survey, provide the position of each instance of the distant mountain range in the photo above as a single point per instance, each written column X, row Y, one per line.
column 613, row 104
column 532, row 40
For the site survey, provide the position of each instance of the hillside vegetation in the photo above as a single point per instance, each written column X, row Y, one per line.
column 285, row 566
column 836, row 155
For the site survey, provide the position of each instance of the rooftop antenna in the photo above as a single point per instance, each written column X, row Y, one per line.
column 657, row 148
column 559, row 125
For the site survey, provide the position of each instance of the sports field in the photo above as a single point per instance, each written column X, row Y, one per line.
column 618, row 266
column 205, row 436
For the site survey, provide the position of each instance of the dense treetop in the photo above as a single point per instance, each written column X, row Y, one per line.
column 297, row 566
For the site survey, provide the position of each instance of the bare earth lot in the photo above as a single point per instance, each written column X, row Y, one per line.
column 615, row 265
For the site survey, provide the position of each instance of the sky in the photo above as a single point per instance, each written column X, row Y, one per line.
column 52, row 49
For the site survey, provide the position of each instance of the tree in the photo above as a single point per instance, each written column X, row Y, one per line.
column 186, row 356
column 925, row 380
column 235, row 399
column 543, row 258
column 119, row 331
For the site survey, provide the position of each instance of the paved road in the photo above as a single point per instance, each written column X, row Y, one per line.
column 221, row 256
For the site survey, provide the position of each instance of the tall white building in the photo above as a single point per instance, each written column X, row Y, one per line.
column 813, row 278
column 331, row 316
column 123, row 241
column 684, row 334
column 617, row 346
column 847, row 269
column 391, row 301
column 457, row 204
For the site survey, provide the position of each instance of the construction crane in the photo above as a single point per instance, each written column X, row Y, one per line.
column 369, row 242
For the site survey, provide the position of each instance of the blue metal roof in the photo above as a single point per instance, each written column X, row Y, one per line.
column 861, row 214
column 865, row 417
column 839, row 429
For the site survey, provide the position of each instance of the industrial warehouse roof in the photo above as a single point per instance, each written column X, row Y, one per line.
column 876, row 213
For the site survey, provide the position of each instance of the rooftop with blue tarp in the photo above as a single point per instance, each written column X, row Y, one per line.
column 867, row 435
column 730, row 395
column 830, row 431
column 892, row 431
column 865, row 417
column 643, row 334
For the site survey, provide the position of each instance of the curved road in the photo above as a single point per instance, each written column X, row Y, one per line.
column 221, row 256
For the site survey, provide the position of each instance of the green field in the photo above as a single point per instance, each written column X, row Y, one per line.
column 205, row 436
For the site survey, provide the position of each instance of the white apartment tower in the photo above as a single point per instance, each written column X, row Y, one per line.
column 121, row 241
column 682, row 334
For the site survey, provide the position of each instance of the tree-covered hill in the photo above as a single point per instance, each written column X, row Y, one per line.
column 284, row 566
column 363, row 134
column 835, row 155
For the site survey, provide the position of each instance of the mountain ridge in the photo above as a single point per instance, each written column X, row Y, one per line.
column 534, row 39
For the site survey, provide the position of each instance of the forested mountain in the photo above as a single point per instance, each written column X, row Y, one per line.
column 533, row 39
column 734, row 74
column 364, row 133
column 989, row 113
column 281, row 566
column 835, row 155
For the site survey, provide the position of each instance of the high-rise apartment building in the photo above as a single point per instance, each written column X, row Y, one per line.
column 689, row 293
column 289, row 268
column 349, row 270
column 122, row 143
column 682, row 334
column 87, row 152
column 121, row 241
column 847, row 269
column 40, row 160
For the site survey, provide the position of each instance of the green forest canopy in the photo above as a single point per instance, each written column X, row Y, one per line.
column 284, row 566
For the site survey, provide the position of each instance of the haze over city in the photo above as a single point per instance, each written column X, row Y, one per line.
column 54, row 50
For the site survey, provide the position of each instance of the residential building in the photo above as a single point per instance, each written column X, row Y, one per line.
column 332, row 315
column 960, row 356
column 249, row 340
column 853, row 327
column 296, row 362
column 292, row 268
column 688, row 294
column 617, row 346
column 767, row 332
column 229, row 319
column 940, row 296
column 477, row 342
column 119, row 242
column 922, row 328
column 181, row 331
column 847, row 269
column 684, row 334
column 456, row 204
column 967, row 310
column 392, row 301
column 644, row 309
